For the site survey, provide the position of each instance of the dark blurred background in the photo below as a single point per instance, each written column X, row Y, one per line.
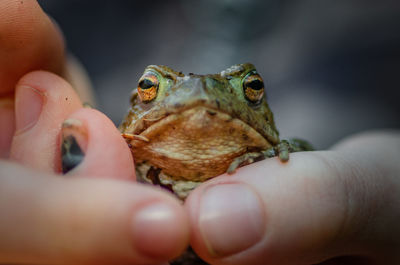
column 332, row 68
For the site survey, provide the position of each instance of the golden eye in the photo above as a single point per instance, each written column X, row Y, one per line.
column 147, row 87
column 253, row 87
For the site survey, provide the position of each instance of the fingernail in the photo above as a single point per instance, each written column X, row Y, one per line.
column 231, row 219
column 154, row 230
column 74, row 141
column 28, row 106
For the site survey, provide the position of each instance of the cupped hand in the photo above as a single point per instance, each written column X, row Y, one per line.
column 95, row 213
column 29, row 40
column 332, row 207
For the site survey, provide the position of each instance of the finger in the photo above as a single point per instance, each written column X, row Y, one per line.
column 50, row 220
column 50, row 119
column 302, row 212
column 92, row 146
column 29, row 41
column 43, row 102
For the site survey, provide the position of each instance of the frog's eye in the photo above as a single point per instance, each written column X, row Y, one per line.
column 253, row 87
column 147, row 87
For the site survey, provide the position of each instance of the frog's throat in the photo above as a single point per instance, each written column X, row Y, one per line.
column 196, row 144
column 161, row 112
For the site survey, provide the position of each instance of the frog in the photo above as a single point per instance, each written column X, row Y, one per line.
column 184, row 129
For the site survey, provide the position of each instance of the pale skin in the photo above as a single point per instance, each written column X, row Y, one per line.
column 318, row 206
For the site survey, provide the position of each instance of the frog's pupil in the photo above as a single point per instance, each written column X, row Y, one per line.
column 146, row 84
column 256, row 85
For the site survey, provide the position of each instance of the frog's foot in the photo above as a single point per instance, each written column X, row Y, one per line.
column 289, row 146
column 298, row 145
column 249, row 158
column 283, row 149
column 181, row 188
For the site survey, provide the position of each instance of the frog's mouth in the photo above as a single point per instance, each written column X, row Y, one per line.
column 228, row 114
column 200, row 128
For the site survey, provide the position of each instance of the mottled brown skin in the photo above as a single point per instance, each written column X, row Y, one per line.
column 185, row 129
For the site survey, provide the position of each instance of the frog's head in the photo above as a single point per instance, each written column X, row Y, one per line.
column 225, row 114
column 237, row 91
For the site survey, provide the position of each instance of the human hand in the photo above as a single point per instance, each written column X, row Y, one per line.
column 331, row 207
column 48, row 219
column 28, row 41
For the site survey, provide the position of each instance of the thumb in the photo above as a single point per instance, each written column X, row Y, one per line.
column 307, row 211
column 51, row 220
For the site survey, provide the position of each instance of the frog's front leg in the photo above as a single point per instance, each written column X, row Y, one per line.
column 282, row 150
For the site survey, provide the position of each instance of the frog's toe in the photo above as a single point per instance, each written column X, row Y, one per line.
column 284, row 156
column 245, row 159
column 283, row 149
column 233, row 166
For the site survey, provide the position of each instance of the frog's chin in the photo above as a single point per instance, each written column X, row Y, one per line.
column 199, row 140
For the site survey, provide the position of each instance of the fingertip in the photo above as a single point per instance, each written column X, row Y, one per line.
column 42, row 102
column 164, row 223
column 42, row 80
column 269, row 211
column 228, row 218
column 106, row 154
